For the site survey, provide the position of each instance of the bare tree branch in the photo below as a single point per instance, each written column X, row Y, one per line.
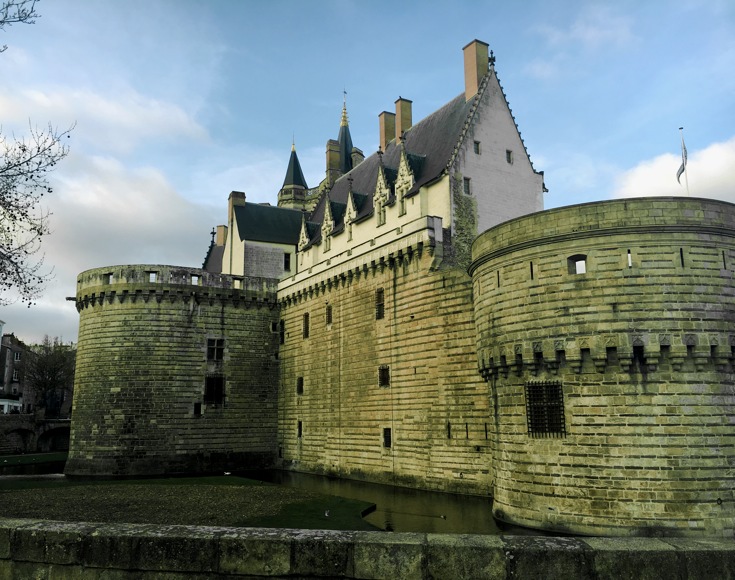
column 17, row 12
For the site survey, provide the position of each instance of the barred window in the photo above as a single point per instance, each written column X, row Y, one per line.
column 545, row 409
column 384, row 376
column 214, row 390
column 379, row 304
column 329, row 314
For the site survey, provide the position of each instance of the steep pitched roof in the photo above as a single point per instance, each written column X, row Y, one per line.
column 267, row 223
column 294, row 175
column 345, row 143
column 429, row 147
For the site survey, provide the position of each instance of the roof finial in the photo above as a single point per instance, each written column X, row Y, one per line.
column 212, row 233
column 492, row 58
column 343, row 122
column 293, row 141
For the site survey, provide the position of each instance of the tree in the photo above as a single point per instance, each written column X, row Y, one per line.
column 25, row 163
column 49, row 372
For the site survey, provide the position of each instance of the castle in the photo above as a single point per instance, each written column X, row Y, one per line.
column 342, row 332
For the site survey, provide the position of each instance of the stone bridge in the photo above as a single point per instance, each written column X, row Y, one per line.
column 31, row 433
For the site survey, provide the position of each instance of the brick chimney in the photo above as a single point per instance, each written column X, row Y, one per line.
column 403, row 116
column 475, row 66
column 387, row 128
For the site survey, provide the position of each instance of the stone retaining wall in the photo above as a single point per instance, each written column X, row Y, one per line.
column 86, row 551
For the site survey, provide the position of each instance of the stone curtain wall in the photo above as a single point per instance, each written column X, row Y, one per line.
column 140, row 406
column 42, row 549
column 642, row 345
column 435, row 405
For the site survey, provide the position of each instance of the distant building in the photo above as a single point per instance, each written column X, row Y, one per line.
column 15, row 396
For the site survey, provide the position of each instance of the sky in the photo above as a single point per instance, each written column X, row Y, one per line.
column 175, row 103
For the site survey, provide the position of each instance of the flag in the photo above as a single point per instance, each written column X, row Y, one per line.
column 683, row 166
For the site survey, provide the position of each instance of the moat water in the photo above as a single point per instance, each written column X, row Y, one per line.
column 400, row 509
column 397, row 509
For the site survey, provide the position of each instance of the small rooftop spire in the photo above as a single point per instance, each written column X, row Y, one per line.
column 343, row 122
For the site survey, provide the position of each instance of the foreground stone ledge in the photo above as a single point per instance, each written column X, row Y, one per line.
column 52, row 549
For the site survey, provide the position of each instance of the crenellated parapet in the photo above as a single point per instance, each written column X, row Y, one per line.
column 605, row 332
column 189, row 286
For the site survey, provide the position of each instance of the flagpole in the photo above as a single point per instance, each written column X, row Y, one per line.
column 684, row 159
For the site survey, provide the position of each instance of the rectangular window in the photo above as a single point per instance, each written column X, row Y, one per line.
column 214, row 390
column 215, row 349
column 197, row 409
column 509, row 156
column 194, row 280
column 306, row 325
column 299, row 385
column 545, row 409
column 328, row 314
column 384, row 376
column 108, row 279
column 16, row 375
column 477, row 147
column 379, row 304
column 287, row 261
column 152, row 276
column 387, row 438
column 467, row 186
column 282, row 331
column 16, row 355
column 299, row 429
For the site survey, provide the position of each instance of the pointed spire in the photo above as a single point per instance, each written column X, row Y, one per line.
column 294, row 175
column 344, row 140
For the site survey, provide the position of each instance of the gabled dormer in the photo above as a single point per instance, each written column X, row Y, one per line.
column 404, row 181
column 303, row 234
column 382, row 194
column 327, row 224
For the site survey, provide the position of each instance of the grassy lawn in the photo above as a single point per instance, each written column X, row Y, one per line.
column 204, row 501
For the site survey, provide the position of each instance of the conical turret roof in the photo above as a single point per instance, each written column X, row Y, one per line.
column 294, row 175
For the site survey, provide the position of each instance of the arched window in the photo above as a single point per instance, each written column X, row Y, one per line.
column 577, row 264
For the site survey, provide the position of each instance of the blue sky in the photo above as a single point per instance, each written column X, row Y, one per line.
column 178, row 102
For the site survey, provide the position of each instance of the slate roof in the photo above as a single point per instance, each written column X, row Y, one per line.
column 429, row 147
column 213, row 259
column 267, row 223
column 294, row 175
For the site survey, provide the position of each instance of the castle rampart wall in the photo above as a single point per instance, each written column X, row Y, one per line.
column 391, row 397
column 606, row 332
column 176, row 372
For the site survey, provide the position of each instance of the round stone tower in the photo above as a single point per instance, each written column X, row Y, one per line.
column 176, row 372
column 606, row 332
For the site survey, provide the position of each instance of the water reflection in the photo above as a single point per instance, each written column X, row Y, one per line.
column 399, row 509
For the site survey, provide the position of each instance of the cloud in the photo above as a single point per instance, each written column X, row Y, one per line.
column 104, row 213
column 710, row 171
column 595, row 28
column 117, row 124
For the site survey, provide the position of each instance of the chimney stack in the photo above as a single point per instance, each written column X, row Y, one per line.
column 221, row 236
column 236, row 198
column 387, row 128
column 403, row 116
column 475, row 66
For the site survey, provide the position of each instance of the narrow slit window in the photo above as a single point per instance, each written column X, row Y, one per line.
column 449, row 430
column 509, row 156
column 467, row 186
column 531, row 264
column 387, row 437
column 282, row 331
column 630, row 260
column 299, row 385
column 299, row 429
column 681, row 256
column 328, row 314
column 287, row 261
column 545, row 409
column 305, row 325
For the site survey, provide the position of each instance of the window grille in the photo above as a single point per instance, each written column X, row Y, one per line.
column 329, row 314
column 384, row 376
column 545, row 409
column 214, row 390
column 379, row 304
